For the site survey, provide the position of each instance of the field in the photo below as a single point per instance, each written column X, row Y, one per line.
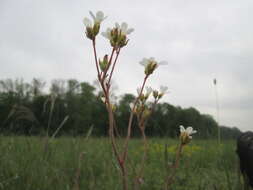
column 65, row 163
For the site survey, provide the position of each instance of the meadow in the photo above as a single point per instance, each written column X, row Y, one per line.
column 67, row 163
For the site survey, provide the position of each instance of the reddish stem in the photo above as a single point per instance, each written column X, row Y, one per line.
column 96, row 59
column 170, row 178
column 113, row 66
column 131, row 120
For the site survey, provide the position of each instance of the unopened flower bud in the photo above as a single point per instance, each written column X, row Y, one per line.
column 142, row 98
column 155, row 94
column 103, row 64
column 89, row 33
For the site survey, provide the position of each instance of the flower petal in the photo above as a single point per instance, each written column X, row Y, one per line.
column 87, row 22
column 100, row 16
column 124, row 27
column 130, row 30
column 152, row 59
column 182, row 129
column 117, row 26
column 144, row 62
column 163, row 89
column 163, row 63
column 189, row 130
column 148, row 89
column 92, row 15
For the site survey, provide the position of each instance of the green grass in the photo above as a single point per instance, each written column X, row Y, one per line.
column 26, row 164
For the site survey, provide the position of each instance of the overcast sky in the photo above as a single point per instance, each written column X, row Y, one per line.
column 201, row 40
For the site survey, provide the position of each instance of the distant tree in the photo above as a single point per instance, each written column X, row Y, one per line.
column 35, row 112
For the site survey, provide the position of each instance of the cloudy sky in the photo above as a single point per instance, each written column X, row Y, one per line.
column 201, row 40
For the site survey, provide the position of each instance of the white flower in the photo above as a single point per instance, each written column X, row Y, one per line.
column 107, row 33
column 188, row 131
column 151, row 64
column 124, row 28
column 163, row 89
column 148, row 90
column 145, row 62
column 87, row 22
column 99, row 17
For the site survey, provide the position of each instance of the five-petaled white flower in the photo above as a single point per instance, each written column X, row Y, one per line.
column 145, row 62
column 188, row 131
column 97, row 19
column 124, row 30
column 151, row 64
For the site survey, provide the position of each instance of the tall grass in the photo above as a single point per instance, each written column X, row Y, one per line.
column 85, row 164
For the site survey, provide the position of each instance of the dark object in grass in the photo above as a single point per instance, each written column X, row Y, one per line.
column 245, row 153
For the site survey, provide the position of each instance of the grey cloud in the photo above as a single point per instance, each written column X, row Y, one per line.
column 201, row 40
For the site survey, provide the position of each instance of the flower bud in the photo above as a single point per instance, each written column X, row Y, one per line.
column 89, row 33
column 122, row 40
column 155, row 94
column 103, row 64
column 142, row 98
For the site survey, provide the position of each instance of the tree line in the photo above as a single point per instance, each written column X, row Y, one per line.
column 74, row 108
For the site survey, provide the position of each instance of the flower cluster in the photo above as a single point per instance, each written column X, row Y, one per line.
column 118, row 35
